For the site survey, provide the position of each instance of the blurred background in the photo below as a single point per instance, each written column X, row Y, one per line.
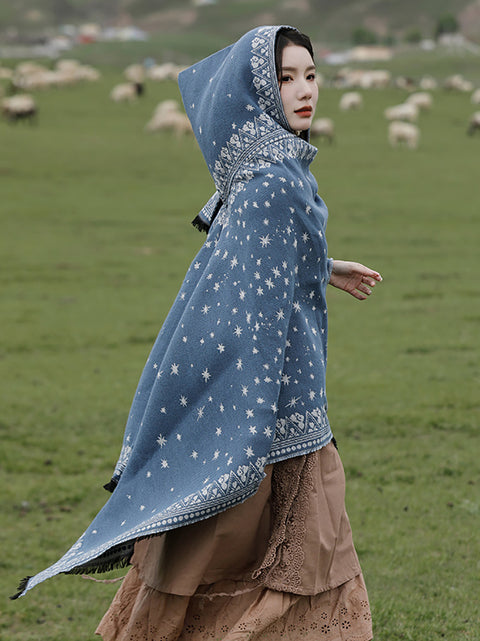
column 100, row 176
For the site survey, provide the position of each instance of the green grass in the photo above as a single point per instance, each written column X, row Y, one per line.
column 95, row 241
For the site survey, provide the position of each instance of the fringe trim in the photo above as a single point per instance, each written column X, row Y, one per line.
column 115, row 558
column 21, row 588
column 199, row 224
column 111, row 485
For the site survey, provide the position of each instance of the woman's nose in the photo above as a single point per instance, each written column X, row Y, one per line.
column 305, row 89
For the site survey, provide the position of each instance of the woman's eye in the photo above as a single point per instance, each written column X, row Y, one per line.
column 311, row 76
column 285, row 78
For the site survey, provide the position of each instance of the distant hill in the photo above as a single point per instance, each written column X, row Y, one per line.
column 328, row 21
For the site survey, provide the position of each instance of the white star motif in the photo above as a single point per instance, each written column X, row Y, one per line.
column 200, row 412
column 252, row 429
column 234, row 262
column 218, row 431
column 161, row 440
column 183, row 401
column 249, row 413
column 296, row 306
column 248, row 451
column 244, row 390
column 239, row 364
column 194, row 455
column 265, row 240
column 164, row 463
column 238, row 331
column 269, row 283
column 174, row 369
column 205, row 309
column 206, row 375
column 221, row 348
column 293, row 401
column 280, row 314
column 286, row 379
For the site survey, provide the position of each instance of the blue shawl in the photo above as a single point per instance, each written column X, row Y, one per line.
column 236, row 377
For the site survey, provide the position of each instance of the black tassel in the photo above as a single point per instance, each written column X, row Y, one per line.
column 110, row 486
column 200, row 224
column 21, row 587
column 334, row 442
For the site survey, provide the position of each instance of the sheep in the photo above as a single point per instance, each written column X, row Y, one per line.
column 168, row 117
column 427, row 83
column 474, row 123
column 420, row 99
column 475, row 99
column 403, row 132
column 458, row 83
column 323, row 128
column 19, row 107
column 135, row 73
column 166, row 71
column 351, row 100
column 404, row 111
column 403, row 82
column 126, row 92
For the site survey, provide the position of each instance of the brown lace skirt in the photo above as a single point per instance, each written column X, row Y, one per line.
column 281, row 565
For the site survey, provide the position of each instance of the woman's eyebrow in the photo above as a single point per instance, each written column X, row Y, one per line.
column 310, row 68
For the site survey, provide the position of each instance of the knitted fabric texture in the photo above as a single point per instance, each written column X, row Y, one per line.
column 236, row 377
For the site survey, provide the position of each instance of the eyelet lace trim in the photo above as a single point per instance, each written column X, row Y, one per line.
column 292, row 482
column 141, row 613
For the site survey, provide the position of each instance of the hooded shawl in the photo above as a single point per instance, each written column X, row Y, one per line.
column 236, row 377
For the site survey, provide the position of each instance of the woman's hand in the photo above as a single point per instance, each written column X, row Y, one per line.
column 354, row 278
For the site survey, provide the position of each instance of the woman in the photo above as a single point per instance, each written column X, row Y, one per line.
column 228, row 455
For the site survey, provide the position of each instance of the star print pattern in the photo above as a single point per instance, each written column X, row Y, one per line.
column 236, row 377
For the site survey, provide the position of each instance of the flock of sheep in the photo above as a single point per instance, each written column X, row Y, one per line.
column 402, row 118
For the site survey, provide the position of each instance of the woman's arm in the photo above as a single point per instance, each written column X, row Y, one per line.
column 354, row 278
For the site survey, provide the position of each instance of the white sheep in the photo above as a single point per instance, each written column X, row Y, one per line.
column 323, row 128
column 428, row 83
column 403, row 132
column 351, row 100
column 420, row 99
column 168, row 117
column 475, row 99
column 165, row 71
column 458, row 83
column 19, row 107
column 126, row 92
column 474, row 124
column 135, row 73
column 404, row 111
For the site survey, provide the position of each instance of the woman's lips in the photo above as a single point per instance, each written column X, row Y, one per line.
column 304, row 112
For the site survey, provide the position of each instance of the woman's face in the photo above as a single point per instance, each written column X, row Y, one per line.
column 298, row 87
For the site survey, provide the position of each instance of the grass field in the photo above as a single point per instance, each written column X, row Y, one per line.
column 95, row 241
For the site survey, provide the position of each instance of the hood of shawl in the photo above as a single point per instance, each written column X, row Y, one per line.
column 232, row 99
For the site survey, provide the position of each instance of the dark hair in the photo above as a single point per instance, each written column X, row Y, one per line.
column 288, row 36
